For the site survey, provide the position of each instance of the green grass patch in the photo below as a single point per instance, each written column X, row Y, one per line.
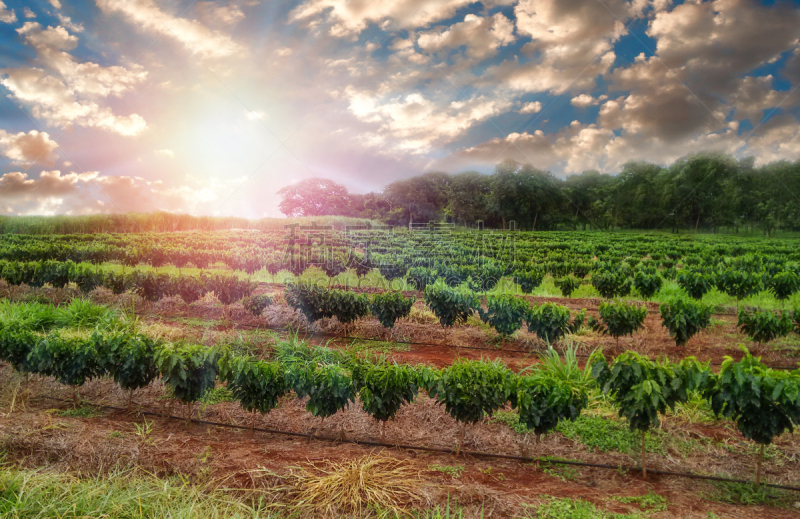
column 606, row 435
column 29, row 494
column 80, row 412
column 562, row 472
column 365, row 346
column 511, row 419
column 555, row 508
column 217, row 395
column 746, row 494
column 650, row 502
column 454, row 471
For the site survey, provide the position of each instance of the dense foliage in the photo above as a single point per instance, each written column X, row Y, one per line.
column 684, row 318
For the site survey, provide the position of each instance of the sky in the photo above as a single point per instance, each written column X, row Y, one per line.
column 211, row 107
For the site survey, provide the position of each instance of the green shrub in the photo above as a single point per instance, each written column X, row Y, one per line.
column 470, row 390
column 390, row 306
column 257, row 385
column 684, row 318
column 763, row 402
column 451, row 305
column 611, row 284
column 696, row 283
column 567, row 285
column 647, row 282
column 763, row 325
column 504, row 313
column 528, row 280
column 549, row 321
column 621, row 318
column 257, row 303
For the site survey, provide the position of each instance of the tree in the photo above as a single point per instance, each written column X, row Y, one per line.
column 129, row 359
column 451, row 305
column 684, row 318
column 390, row 306
column 470, row 390
column 256, row 384
column 469, row 192
column 71, row 361
column 419, row 198
column 525, row 194
column 642, row 388
column 190, row 370
column 543, row 401
column 383, row 388
column 621, row 318
column 313, row 197
column 763, row 325
column 567, row 285
column 549, row 321
column 763, row 402
column 611, row 284
column 505, row 313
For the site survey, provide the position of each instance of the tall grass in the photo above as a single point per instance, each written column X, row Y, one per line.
column 40, row 317
column 38, row 494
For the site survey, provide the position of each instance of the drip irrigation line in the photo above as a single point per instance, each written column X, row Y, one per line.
column 453, row 346
column 477, row 454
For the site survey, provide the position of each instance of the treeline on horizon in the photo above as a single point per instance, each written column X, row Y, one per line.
column 704, row 192
column 708, row 192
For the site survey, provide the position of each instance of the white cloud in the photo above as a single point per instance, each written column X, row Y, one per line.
column 721, row 39
column 481, row 36
column 414, row 123
column 755, row 94
column 28, row 147
column 212, row 13
column 165, row 153
column 54, row 192
column 67, row 22
column 83, row 78
column 198, row 38
column 28, row 13
column 349, row 18
column 7, row 15
column 531, row 108
column 57, row 99
column 584, row 101
column 55, row 3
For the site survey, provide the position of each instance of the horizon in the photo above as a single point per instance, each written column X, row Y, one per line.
column 210, row 108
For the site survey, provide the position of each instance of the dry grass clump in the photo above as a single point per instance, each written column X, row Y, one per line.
column 421, row 316
column 351, row 486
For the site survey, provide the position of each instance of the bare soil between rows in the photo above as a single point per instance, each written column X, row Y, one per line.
column 35, row 435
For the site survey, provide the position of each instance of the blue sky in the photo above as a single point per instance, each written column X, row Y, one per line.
column 212, row 107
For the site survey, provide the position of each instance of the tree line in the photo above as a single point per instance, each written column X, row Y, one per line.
column 709, row 192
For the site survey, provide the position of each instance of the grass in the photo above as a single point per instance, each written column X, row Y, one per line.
column 566, row 508
column 605, row 435
column 80, row 412
column 649, row 502
column 40, row 317
column 217, row 395
column 562, row 472
column 365, row 346
column 454, row 471
column 746, row 494
column 39, row 494
column 351, row 487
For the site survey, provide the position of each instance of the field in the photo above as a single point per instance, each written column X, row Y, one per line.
column 371, row 372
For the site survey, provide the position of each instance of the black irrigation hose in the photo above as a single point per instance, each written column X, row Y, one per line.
column 476, row 454
column 454, row 346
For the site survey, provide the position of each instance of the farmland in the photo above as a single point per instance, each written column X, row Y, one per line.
column 603, row 349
